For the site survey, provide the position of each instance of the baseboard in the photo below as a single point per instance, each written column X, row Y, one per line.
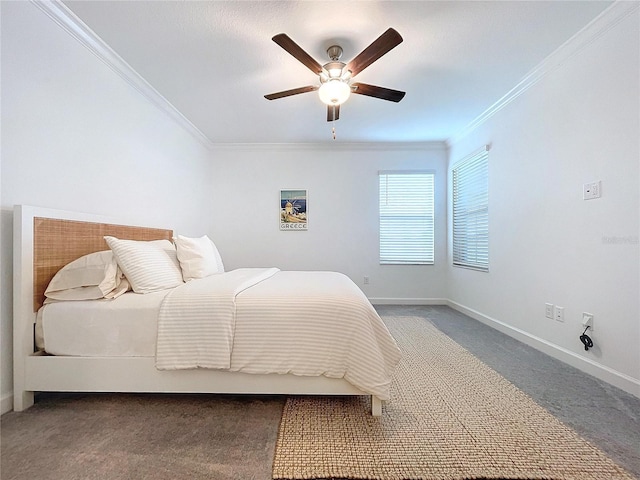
column 602, row 372
column 6, row 403
column 408, row 301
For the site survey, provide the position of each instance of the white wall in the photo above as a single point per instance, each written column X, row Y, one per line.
column 342, row 184
column 579, row 124
column 76, row 136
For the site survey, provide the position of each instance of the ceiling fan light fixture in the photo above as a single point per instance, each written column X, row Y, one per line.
column 334, row 92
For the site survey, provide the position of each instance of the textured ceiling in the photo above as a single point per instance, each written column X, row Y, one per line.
column 215, row 61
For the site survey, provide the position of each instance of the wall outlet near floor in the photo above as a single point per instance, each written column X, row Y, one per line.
column 366, row 280
column 559, row 314
column 587, row 320
column 548, row 310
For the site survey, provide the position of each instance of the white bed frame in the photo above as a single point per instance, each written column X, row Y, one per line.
column 34, row 372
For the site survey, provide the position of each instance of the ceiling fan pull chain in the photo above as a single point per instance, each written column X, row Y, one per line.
column 333, row 132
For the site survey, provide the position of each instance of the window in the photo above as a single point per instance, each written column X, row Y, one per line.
column 471, row 212
column 406, row 218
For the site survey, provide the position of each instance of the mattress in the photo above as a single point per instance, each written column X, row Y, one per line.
column 122, row 327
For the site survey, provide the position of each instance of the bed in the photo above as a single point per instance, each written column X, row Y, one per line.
column 46, row 240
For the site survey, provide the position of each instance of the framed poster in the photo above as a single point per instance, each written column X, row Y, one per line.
column 293, row 210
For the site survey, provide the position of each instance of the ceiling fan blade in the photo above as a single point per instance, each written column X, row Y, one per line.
column 378, row 92
column 288, row 93
column 333, row 112
column 382, row 45
column 294, row 49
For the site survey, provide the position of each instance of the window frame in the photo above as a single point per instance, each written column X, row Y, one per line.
column 385, row 254
column 470, row 211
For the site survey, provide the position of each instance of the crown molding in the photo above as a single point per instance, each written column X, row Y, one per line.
column 337, row 146
column 600, row 25
column 75, row 27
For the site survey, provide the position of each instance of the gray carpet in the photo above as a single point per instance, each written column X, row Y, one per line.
column 141, row 436
column 116, row 436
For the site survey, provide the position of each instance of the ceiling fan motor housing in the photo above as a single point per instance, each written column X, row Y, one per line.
column 332, row 70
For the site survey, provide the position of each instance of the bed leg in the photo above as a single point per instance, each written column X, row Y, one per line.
column 376, row 406
column 22, row 401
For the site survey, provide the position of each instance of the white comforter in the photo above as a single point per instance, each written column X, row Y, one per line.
column 270, row 321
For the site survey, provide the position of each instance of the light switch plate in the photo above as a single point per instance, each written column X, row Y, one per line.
column 591, row 190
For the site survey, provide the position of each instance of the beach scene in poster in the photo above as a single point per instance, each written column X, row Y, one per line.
column 293, row 209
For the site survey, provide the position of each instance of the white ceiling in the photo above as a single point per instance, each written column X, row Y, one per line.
column 214, row 60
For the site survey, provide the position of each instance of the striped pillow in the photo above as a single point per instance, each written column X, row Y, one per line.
column 149, row 266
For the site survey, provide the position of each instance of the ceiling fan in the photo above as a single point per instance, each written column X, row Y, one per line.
column 335, row 76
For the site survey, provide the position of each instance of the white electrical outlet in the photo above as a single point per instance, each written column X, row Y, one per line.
column 559, row 314
column 591, row 190
column 548, row 310
column 587, row 320
column 366, row 280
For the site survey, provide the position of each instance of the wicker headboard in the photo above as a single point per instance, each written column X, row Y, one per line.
column 57, row 242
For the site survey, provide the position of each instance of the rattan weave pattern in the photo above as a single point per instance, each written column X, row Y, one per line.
column 57, row 242
column 450, row 417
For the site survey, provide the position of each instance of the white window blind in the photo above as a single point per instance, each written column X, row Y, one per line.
column 406, row 217
column 471, row 212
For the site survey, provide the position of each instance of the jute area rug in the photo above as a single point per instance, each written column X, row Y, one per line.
column 450, row 417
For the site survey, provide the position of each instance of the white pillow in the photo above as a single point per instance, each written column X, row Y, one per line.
column 89, row 277
column 88, row 293
column 123, row 287
column 198, row 257
column 148, row 266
